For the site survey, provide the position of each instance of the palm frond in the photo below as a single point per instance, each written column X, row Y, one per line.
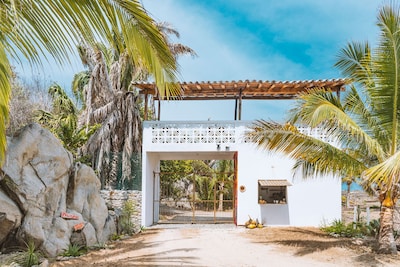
column 62, row 104
column 357, row 108
column 322, row 109
column 316, row 156
column 180, row 49
column 146, row 37
column 385, row 96
column 57, row 27
column 5, row 92
column 355, row 62
column 386, row 174
column 78, row 83
column 167, row 29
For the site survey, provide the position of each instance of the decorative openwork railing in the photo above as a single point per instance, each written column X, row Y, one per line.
column 209, row 132
column 196, row 132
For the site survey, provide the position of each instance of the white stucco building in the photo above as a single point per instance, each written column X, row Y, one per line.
column 264, row 185
column 298, row 202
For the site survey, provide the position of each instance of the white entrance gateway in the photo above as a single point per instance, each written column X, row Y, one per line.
column 265, row 188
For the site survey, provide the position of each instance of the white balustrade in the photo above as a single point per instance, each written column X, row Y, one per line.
column 210, row 132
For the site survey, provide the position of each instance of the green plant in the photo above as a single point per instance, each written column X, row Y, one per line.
column 74, row 250
column 359, row 229
column 29, row 257
column 125, row 220
column 336, row 228
column 98, row 246
column 374, row 225
column 115, row 237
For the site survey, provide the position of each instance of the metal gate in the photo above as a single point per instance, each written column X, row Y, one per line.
column 195, row 198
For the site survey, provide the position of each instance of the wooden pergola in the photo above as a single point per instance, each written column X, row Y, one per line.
column 240, row 90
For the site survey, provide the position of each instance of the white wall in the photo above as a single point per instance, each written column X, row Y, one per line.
column 314, row 202
column 254, row 165
column 309, row 202
column 150, row 164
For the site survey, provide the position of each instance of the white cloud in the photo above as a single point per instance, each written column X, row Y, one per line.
column 243, row 45
column 224, row 53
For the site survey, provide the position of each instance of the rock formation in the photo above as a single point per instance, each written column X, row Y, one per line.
column 40, row 183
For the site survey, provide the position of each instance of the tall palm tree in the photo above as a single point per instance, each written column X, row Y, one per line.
column 224, row 172
column 62, row 120
column 109, row 101
column 365, row 128
column 35, row 29
column 108, row 98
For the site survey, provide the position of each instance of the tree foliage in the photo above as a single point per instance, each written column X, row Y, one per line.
column 362, row 133
column 62, row 120
column 36, row 30
column 25, row 99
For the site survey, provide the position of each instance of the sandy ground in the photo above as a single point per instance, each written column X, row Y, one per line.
column 228, row 245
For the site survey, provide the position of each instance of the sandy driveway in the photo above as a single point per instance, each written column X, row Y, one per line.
column 217, row 245
column 227, row 245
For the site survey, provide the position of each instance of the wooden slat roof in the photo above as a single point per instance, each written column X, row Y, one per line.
column 245, row 89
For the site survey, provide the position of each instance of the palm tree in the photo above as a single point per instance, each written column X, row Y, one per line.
column 62, row 121
column 108, row 97
column 35, row 29
column 204, row 184
column 110, row 101
column 224, row 172
column 348, row 180
column 365, row 128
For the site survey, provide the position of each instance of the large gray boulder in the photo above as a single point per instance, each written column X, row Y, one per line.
column 84, row 197
column 38, row 176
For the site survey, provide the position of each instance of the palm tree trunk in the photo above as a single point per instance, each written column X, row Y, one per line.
column 386, row 238
column 348, row 195
column 221, row 196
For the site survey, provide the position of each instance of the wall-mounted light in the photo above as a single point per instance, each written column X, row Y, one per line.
column 218, row 147
column 227, row 148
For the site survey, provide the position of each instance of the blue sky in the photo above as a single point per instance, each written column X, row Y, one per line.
column 262, row 40
column 254, row 39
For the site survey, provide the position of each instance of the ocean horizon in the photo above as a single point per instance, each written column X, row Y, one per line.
column 353, row 187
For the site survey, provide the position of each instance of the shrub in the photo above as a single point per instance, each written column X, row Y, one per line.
column 359, row 229
column 74, row 250
column 27, row 258
column 115, row 237
column 125, row 220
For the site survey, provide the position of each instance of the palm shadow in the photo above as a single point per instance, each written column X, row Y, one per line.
column 316, row 241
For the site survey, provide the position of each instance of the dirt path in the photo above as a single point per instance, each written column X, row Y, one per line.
column 227, row 245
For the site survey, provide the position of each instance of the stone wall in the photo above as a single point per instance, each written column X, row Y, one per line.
column 115, row 200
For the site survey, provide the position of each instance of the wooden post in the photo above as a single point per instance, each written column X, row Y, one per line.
column 159, row 110
column 194, row 198
column 338, row 94
column 355, row 216
column 236, row 107
column 240, row 105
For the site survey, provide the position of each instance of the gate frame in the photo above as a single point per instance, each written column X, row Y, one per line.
column 150, row 187
column 232, row 219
